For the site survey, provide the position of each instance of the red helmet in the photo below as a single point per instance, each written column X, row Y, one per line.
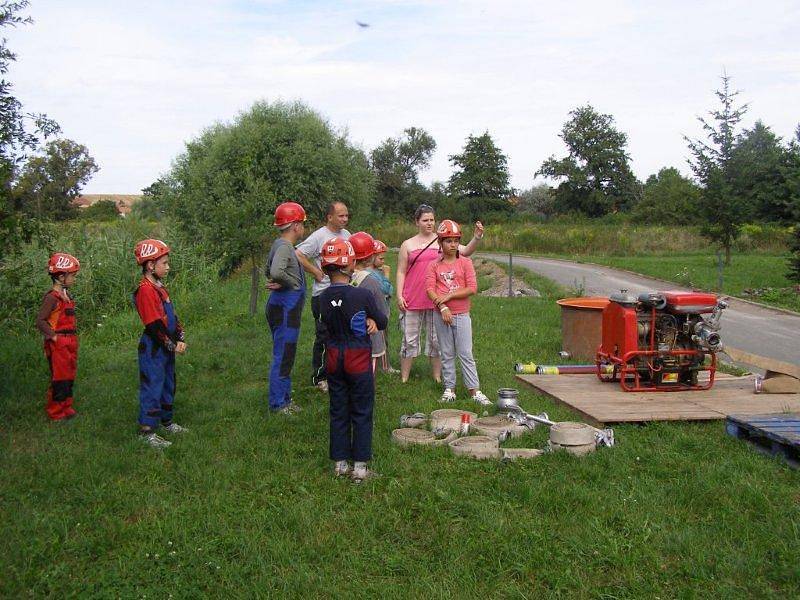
column 61, row 262
column 379, row 247
column 363, row 244
column 448, row 229
column 289, row 212
column 150, row 249
column 337, row 251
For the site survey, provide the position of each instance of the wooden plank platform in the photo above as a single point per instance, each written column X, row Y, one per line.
column 774, row 435
column 602, row 403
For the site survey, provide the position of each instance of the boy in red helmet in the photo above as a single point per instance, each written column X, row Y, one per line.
column 350, row 315
column 287, row 282
column 380, row 271
column 162, row 338
column 56, row 321
column 364, row 247
column 449, row 282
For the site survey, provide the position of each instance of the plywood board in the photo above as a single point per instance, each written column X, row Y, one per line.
column 601, row 403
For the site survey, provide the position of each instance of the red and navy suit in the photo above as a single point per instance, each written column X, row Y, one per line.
column 344, row 310
column 162, row 331
column 62, row 355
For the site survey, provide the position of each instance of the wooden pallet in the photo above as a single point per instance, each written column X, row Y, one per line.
column 774, row 435
column 601, row 403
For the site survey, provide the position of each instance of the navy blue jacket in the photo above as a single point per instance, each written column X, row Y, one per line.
column 344, row 310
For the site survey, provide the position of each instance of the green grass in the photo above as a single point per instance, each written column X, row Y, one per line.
column 244, row 505
column 747, row 271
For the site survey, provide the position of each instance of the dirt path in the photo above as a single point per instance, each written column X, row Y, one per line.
column 752, row 328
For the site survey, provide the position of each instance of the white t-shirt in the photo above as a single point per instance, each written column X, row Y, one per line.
column 311, row 248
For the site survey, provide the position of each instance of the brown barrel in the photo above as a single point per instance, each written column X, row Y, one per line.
column 582, row 325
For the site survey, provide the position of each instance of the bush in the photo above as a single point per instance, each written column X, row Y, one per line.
column 102, row 210
column 108, row 272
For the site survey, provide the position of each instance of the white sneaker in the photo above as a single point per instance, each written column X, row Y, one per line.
column 448, row 396
column 175, row 428
column 322, row 386
column 361, row 472
column 341, row 468
column 294, row 408
column 481, row 399
column 156, row 441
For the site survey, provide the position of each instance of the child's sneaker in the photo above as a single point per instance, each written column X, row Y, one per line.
column 294, row 408
column 448, row 396
column 341, row 468
column 283, row 410
column 175, row 428
column 361, row 472
column 481, row 399
column 322, row 386
column 155, row 441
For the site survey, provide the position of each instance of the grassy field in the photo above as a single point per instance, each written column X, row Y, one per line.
column 762, row 272
column 244, row 505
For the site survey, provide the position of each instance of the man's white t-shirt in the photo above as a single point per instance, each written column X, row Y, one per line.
column 311, row 248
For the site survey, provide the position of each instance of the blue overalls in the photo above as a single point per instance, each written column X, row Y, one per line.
column 157, row 376
column 284, row 309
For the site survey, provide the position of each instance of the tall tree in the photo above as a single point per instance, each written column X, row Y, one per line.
column 397, row 163
column 669, row 197
column 224, row 188
column 49, row 183
column 759, row 167
column 595, row 176
column 723, row 209
column 480, row 180
column 20, row 133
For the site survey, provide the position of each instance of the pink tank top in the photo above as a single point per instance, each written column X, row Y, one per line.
column 414, row 286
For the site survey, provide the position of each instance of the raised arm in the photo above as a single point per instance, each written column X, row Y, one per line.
column 473, row 243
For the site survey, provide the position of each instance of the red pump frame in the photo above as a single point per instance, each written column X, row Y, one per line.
column 625, row 370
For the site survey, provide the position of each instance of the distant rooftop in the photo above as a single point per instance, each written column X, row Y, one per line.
column 123, row 201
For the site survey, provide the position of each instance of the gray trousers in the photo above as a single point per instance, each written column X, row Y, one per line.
column 456, row 339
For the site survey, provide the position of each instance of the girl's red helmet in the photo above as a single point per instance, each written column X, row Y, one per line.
column 448, row 229
column 338, row 252
column 289, row 212
column 150, row 249
column 379, row 247
column 61, row 262
column 363, row 245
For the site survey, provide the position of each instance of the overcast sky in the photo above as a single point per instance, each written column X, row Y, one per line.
column 134, row 81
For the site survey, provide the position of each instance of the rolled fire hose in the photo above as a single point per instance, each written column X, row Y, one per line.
column 449, row 418
column 418, row 419
column 500, row 427
column 578, row 439
column 476, row 446
column 408, row 436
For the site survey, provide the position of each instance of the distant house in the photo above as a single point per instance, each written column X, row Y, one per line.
column 124, row 202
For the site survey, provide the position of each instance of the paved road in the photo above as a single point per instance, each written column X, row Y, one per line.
column 751, row 328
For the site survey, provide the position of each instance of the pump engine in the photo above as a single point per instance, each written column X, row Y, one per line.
column 660, row 341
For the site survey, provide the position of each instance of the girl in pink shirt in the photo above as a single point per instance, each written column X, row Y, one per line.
column 449, row 282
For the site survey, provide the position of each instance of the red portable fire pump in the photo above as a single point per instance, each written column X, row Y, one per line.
column 659, row 341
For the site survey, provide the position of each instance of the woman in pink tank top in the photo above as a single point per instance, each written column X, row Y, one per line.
column 416, row 309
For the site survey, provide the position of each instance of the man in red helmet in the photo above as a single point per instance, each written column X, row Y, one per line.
column 56, row 321
column 349, row 315
column 287, row 282
column 162, row 338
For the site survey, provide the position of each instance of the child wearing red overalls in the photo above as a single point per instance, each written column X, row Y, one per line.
column 56, row 321
column 162, row 338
